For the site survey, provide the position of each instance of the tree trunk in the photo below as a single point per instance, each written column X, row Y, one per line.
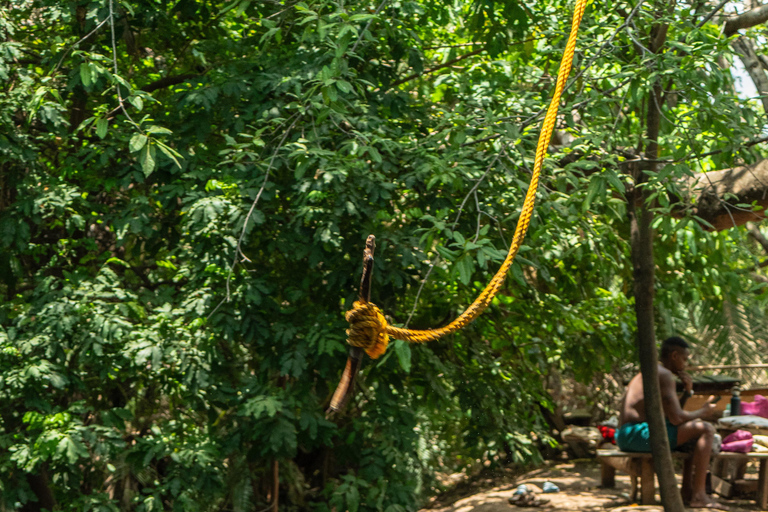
column 39, row 484
column 642, row 262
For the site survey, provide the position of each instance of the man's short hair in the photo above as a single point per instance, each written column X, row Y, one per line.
column 672, row 344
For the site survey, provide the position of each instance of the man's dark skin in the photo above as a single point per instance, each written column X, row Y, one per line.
column 690, row 424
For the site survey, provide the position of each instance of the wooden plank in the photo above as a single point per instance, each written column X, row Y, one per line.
column 742, row 456
column 721, row 487
column 609, row 453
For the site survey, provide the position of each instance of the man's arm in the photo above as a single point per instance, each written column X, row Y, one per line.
column 671, row 404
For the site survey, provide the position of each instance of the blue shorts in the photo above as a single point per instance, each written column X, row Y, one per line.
column 636, row 437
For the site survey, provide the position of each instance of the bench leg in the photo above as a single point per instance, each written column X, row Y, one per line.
column 647, row 483
column 607, row 475
column 762, row 486
column 687, row 488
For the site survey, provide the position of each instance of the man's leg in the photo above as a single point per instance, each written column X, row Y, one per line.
column 704, row 434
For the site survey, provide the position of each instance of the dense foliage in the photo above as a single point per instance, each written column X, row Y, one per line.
column 185, row 191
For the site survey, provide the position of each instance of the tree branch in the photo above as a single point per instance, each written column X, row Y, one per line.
column 759, row 237
column 746, row 20
column 168, row 81
column 162, row 83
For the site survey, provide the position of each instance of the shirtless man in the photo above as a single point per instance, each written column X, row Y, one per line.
column 682, row 426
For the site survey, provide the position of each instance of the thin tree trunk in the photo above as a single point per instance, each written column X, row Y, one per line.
column 275, row 485
column 641, row 241
column 746, row 51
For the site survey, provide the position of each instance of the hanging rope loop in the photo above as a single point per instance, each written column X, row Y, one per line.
column 367, row 328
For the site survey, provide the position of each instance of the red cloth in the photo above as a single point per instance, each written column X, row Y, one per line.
column 607, row 433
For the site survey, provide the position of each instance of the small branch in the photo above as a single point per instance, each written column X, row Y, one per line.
column 460, row 45
column 89, row 34
column 711, row 14
column 368, row 25
column 120, row 100
column 238, row 248
column 747, row 20
column 757, row 235
column 436, row 68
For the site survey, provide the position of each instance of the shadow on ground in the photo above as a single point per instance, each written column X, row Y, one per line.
column 579, row 483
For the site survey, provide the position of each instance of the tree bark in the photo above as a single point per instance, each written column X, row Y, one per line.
column 745, row 48
column 39, row 484
column 641, row 241
column 746, row 20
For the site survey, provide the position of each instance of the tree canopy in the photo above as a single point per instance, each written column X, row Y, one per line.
column 185, row 192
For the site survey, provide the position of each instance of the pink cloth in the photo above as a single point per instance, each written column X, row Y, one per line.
column 739, row 441
column 739, row 435
column 744, row 446
column 759, row 407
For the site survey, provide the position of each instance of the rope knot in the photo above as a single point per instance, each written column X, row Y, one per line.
column 367, row 328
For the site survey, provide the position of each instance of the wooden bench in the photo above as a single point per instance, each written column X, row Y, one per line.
column 635, row 464
column 641, row 464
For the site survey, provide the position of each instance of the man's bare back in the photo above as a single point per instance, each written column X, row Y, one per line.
column 633, row 402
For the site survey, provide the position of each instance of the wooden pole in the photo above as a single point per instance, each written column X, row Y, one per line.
column 355, row 359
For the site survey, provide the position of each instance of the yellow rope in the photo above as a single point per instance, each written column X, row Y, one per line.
column 369, row 329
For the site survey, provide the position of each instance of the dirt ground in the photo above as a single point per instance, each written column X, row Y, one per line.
column 579, row 483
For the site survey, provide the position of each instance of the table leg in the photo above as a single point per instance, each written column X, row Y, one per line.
column 647, row 483
column 762, row 486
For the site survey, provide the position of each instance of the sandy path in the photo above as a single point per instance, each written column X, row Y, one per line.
column 579, row 491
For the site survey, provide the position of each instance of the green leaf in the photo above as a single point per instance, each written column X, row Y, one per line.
column 86, row 74
column 147, row 159
column 403, row 351
column 169, row 152
column 343, row 86
column 465, row 265
column 137, row 102
column 137, row 142
column 158, row 130
column 101, row 127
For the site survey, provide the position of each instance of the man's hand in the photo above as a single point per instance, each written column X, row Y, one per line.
column 687, row 382
column 709, row 411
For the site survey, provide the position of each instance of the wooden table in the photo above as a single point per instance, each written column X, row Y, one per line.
column 711, row 384
column 762, row 479
column 641, row 465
